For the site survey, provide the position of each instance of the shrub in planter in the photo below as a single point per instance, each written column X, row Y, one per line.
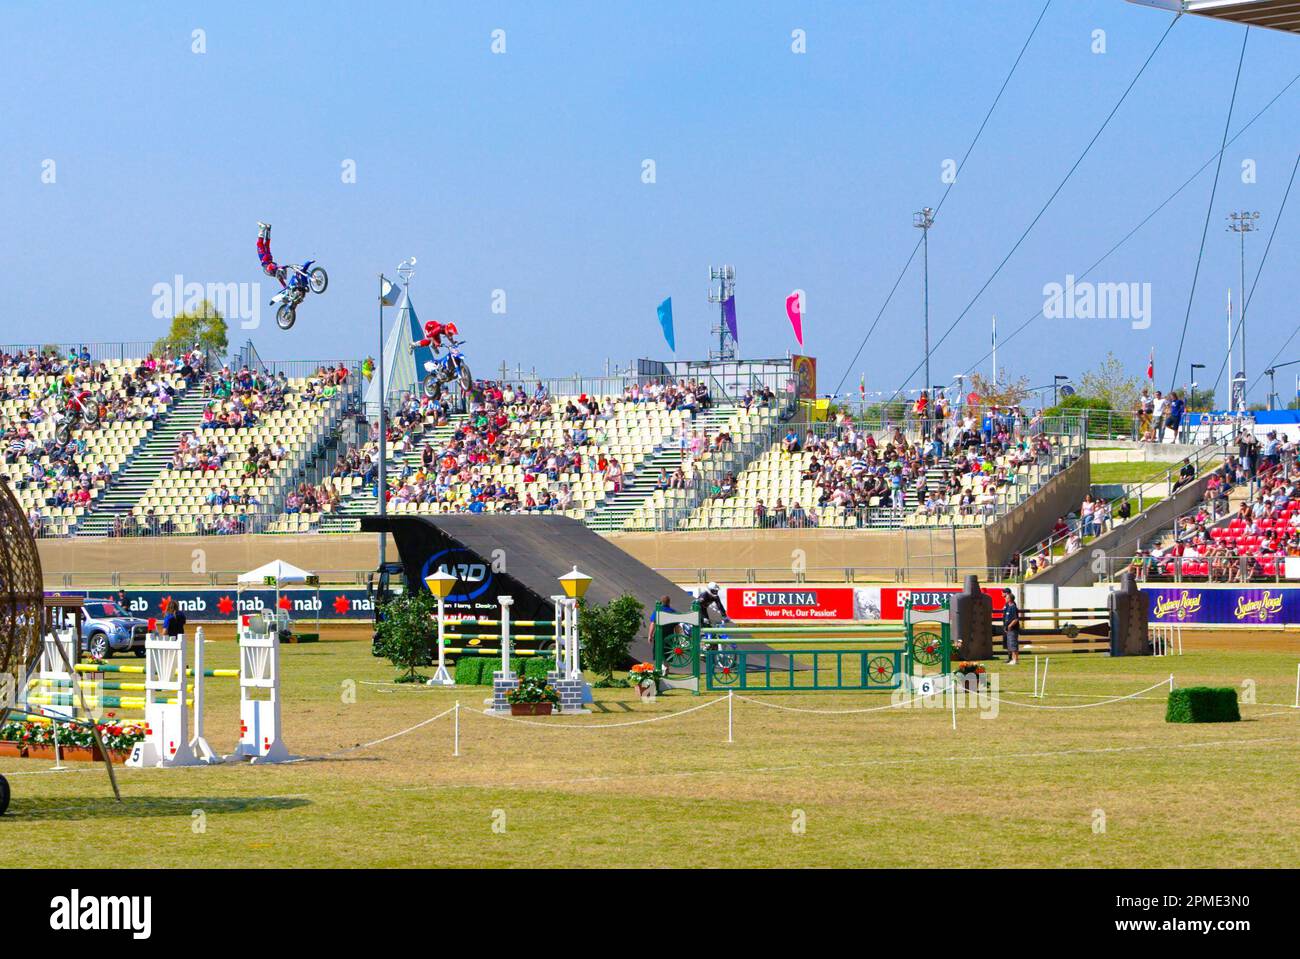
column 1203, row 704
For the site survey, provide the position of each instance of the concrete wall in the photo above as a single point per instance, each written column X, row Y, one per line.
column 1032, row 521
column 1121, row 541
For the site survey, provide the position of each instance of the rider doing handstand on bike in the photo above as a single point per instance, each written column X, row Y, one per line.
column 269, row 266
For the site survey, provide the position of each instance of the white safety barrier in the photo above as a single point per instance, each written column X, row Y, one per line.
column 1166, row 639
column 260, row 739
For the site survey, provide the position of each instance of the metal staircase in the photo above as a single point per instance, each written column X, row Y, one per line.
column 615, row 510
column 363, row 502
column 139, row 472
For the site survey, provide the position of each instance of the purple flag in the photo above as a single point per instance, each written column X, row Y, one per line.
column 729, row 314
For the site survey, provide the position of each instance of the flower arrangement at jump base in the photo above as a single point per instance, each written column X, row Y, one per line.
column 971, row 675
column 645, row 677
column 532, row 697
column 75, row 742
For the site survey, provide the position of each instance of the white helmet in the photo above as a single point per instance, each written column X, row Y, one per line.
column 713, row 587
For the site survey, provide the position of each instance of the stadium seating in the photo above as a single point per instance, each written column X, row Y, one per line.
column 179, row 500
column 111, row 443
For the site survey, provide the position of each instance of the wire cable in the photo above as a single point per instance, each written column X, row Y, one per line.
column 1150, row 216
column 961, row 166
column 1055, row 193
column 1209, row 212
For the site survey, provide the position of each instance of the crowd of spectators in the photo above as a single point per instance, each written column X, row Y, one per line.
column 852, row 469
column 1254, row 543
column 499, row 430
column 34, row 389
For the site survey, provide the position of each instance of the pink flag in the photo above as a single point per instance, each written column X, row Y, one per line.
column 794, row 310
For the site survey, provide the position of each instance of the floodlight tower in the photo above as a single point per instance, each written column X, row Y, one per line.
column 1242, row 222
column 725, row 277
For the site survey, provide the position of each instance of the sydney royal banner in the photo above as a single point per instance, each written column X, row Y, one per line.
column 1231, row 606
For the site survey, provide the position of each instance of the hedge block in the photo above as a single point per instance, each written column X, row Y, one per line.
column 1203, row 704
column 536, row 667
column 469, row 671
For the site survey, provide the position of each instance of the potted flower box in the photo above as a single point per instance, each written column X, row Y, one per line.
column 532, row 697
column 645, row 678
column 13, row 750
column 971, row 677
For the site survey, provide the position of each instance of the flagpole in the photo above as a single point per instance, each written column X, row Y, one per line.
column 995, row 349
column 383, row 438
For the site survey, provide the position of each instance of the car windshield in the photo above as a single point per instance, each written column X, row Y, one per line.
column 104, row 610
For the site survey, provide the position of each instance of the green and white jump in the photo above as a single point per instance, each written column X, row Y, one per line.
column 859, row 657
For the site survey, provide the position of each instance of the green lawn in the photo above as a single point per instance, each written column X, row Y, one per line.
column 900, row 787
column 1138, row 472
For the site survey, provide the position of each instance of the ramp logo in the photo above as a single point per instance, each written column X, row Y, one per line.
column 76, row 913
column 473, row 576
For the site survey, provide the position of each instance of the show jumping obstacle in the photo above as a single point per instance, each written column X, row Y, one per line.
column 695, row 657
column 171, row 687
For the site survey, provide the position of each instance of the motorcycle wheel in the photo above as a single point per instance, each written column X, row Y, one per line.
column 91, row 415
column 465, row 378
column 433, row 387
column 285, row 316
column 64, row 434
column 318, row 279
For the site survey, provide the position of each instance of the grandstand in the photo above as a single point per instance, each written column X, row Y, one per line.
column 60, row 486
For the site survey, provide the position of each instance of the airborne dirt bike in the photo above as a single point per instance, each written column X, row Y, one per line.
column 445, row 369
column 299, row 280
column 80, row 407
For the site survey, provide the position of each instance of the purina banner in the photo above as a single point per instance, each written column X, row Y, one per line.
column 832, row 603
column 1232, row 606
column 213, row 605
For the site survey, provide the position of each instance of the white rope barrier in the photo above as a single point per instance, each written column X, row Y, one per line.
column 634, row 722
column 832, row 712
column 1104, row 702
column 409, row 729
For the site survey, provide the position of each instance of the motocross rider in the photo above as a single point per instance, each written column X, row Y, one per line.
column 269, row 266
column 433, row 334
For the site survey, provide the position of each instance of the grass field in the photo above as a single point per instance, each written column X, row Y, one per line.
column 1136, row 472
column 1023, row 787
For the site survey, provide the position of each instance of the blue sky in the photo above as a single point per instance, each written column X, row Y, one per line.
column 522, row 172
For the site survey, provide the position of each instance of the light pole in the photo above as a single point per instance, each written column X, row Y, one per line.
column 1242, row 222
column 387, row 297
column 440, row 584
column 1056, row 383
column 923, row 221
column 1272, row 385
column 1191, row 380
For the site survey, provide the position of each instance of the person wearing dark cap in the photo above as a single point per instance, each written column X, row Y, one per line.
column 1011, row 627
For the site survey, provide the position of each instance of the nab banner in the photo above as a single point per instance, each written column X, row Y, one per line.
column 216, row 605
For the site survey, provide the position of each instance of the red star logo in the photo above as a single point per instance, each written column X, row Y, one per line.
column 342, row 605
column 285, row 603
column 225, row 605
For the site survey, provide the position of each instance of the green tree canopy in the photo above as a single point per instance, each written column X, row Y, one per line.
column 1112, row 383
column 203, row 325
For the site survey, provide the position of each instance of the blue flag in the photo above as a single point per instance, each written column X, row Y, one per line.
column 729, row 314
column 666, row 321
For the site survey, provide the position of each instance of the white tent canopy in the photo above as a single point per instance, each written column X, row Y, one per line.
column 278, row 572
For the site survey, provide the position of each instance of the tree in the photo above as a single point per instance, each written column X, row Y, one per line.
column 1007, row 392
column 1199, row 399
column 1111, row 382
column 606, row 632
column 203, row 325
column 408, row 632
